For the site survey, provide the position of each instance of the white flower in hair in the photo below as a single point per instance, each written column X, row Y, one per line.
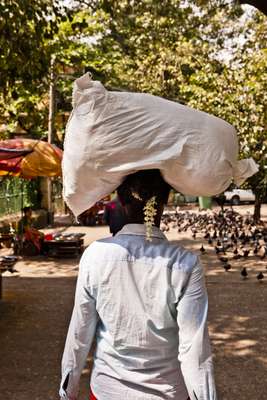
column 136, row 196
column 150, row 212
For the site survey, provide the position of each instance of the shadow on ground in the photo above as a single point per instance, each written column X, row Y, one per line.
column 34, row 316
column 237, row 324
column 35, row 313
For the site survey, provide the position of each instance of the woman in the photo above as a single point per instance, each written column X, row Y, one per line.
column 144, row 299
column 32, row 238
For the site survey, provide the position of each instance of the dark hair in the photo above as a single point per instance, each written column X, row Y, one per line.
column 144, row 185
column 25, row 209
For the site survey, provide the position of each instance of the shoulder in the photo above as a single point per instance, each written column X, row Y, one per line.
column 103, row 249
column 181, row 258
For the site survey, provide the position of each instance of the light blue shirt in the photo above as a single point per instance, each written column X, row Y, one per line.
column 146, row 304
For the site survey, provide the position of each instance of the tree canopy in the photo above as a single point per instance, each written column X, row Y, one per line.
column 209, row 55
column 25, row 27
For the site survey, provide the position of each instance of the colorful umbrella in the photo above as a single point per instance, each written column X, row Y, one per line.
column 29, row 158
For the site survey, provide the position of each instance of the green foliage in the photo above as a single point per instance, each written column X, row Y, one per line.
column 31, row 32
column 25, row 26
column 237, row 92
column 16, row 193
column 27, row 29
column 147, row 43
column 209, row 55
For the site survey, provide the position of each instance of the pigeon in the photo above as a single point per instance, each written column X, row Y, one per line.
column 227, row 267
column 237, row 256
column 202, row 249
column 223, row 259
column 262, row 252
column 260, row 276
column 246, row 253
column 219, row 250
column 12, row 270
column 244, row 273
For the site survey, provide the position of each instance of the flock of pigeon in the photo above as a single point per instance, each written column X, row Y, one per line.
column 231, row 235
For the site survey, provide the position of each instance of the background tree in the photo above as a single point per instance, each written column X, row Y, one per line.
column 27, row 29
column 31, row 33
column 209, row 55
column 236, row 92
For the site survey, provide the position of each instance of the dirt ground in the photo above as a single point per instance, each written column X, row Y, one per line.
column 37, row 303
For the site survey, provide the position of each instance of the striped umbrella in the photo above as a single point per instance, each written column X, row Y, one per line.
column 29, row 158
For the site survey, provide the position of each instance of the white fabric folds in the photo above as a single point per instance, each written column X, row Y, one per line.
column 112, row 134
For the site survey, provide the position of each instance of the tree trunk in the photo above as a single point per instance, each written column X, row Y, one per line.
column 257, row 208
column 259, row 4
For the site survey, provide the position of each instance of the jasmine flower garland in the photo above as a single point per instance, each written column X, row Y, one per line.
column 150, row 212
column 136, row 196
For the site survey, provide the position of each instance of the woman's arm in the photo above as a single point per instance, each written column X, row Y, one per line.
column 194, row 344
column 80, row 336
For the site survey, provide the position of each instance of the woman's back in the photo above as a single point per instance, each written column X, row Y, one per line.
column 137, row 287
column 144, row 299
column 137, row 338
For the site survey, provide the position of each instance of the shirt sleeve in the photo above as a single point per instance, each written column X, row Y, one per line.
column 80, row 336
column 194, row 344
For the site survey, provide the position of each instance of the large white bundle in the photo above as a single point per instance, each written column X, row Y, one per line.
column 112, row 134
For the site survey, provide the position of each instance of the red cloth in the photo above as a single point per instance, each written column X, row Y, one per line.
column 91, row 396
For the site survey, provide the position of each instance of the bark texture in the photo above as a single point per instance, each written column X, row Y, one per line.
column 257, row 208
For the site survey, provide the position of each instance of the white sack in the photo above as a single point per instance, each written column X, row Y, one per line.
column 112, row 134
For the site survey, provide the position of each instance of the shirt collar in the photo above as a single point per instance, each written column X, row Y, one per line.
column 140, row 230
